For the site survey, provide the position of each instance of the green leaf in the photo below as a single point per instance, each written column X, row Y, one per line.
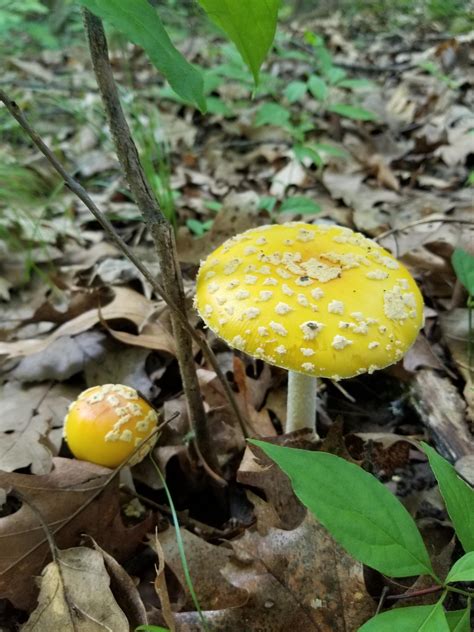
column 334, row 74
column 250, row 24
column 197, row 227
column 295, row 91
column 356, row 84
column 358, row 511
column 463, row 264
column 318, row 88
column 352, row 112
column 267, row 203
column 304, row 151
column 414, row 619
column 459, row 620
column 272, row 114
column 458, row 497
column 139, row 21
column 330, row 150
column 463, row 569
column 300, row 204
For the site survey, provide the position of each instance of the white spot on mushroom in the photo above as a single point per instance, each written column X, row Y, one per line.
column 209, row 275
column 340, row 342
column 283, row 273
column 372, row 368
column 270, row 281
column 142, row 426
column 242, row 294
column 113, row 435
column 281, row 349
column 213, row 287
column 249, row 250
column 390, row 263
column 265, row 295
column 373, row 345
column 220, row 300
column 278, row 328
column 311, row 329
column 288, row 242
column 306, row 351
column 113, row 400
column 261, row 241
column 233, row 284
column 250, row 279
column 336, row 307
column 377, row 275
column 403, row 283
column 343, row 324
column 231, row 266
column 321, row 271
column 361, row 328
column 230, row 309
column 259, row 351
column 283, row 308
column 357, row 315
column 394, row 303
column 302, row 300
column 287, row 290
column 382, row 329
column 251, row 313
column 303, row 281
column 305, row 235
column 317, row 293
column 307, row 366
column 262, row 331
column 127, row 436
column 238, row 341
column 264, row 270
column 208, row 310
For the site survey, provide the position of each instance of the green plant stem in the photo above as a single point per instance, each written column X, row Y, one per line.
column 429, row 591
column 179, row 542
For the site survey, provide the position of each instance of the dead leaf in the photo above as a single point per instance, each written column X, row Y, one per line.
column 295, row 578
column 63, row 358
column 28, row 416
column 75, row 595
column 58, row 496
column 127, row 304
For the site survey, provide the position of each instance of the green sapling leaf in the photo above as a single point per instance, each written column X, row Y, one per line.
column 414, row 619
column 139, row 21
column 459, row 620
column 250, row 24
column 463, row 264
column 463, row 569
column 358, row 511
column 458, row 497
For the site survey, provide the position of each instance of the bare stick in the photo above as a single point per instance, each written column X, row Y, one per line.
column 159, row 227
column 418, row 222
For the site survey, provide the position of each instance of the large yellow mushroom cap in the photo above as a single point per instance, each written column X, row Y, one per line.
column 106, row 423
column 315, row 299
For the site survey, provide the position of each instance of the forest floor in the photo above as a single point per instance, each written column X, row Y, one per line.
column 362, row 128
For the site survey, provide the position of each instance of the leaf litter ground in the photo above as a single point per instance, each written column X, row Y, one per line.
column 75, row 314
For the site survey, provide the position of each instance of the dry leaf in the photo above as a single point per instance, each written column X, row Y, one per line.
column 58, row 496
column 75, row 595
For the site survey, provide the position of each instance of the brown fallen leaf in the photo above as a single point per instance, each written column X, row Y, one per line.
column 127, row 304
column 28, row 417
column 75, row 595
column 285, row 578
column 58, row 496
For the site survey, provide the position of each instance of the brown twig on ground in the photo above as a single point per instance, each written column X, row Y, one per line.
column 418, row 222
column 159, row 227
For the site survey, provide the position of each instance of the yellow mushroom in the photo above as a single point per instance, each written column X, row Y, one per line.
column 318, row 300
column 106, row 423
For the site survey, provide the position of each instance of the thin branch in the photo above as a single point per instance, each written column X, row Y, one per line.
column 434, row 220
column 75, row 187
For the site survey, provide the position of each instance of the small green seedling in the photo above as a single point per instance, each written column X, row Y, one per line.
column 463, row 264
column 376, row 529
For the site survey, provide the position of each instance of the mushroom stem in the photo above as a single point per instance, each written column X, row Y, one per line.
column 301, row 408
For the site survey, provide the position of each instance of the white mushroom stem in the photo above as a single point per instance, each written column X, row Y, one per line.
column 301, row 408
